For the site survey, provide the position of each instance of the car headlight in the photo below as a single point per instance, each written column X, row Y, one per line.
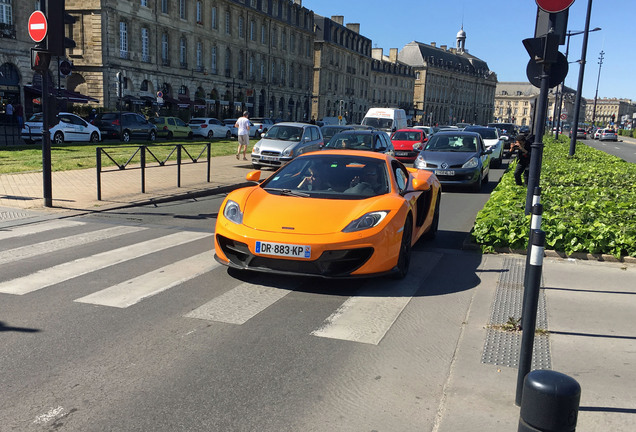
column 232, row 212
column 367, row 221
column 473, row 162
column 257, row 148
column 289, row 151
column 420, row 163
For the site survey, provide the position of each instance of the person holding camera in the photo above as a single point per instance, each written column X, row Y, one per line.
column 522, row 146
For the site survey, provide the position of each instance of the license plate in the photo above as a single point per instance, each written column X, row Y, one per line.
column 445, row 172
column 281, row 249
column 269, row 158
column 398, row 153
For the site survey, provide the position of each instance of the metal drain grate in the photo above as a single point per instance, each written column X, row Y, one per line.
column 501, row 347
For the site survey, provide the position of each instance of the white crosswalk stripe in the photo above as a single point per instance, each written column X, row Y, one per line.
column 79, row 267
column 57, row 245
column 240, row 304
column 26, row 230
column 147, row 285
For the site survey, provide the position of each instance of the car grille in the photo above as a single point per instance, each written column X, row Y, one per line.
column 270, row 153
column 335, row 263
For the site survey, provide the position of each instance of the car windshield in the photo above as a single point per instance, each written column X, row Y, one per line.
column 36, row 118
column 379, row 123
column 330, row 177
column 407, row 136
column 452, row 143
column 330, row 131
column 352, row 141
column 284, row 133
column 110, row 116
column 485, row 133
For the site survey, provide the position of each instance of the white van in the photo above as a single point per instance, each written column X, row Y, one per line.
column 386, row 119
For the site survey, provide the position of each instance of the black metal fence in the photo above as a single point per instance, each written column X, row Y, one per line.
column 9, row 132
column 144, row 151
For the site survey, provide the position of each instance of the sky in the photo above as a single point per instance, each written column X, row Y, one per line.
column 495, row 30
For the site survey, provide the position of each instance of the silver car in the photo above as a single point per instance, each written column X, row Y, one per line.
column 283, row 142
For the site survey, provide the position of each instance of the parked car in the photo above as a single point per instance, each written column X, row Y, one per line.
column 580, row 133
column 283, row 142
column 608, row 134
column 330, row 130
column 125, row 126
column 376, row 209
column 209, row 127
column 262, row 124
column 456, row 158
column 369, row 140
column 171, row 127
column 430, row 130
column 67, row 127
column 408, row 143
column 253, row 132
column 491, row 141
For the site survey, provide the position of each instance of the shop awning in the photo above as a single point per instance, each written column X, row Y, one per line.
column 134, row 100
column 69, row 95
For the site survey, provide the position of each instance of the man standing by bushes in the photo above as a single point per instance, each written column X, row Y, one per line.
column 523, row 147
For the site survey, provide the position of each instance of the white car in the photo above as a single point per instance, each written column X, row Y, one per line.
column 492, row 141
column 254, row 133
column 262, row 124
column 209, row 127
column 597, row 133
column 66, row 127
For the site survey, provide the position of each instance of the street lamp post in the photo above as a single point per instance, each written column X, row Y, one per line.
column 600, row 64
column 579, row 88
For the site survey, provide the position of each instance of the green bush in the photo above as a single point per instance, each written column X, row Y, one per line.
column 589, row 204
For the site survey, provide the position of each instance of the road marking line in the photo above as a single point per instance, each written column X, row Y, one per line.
column 23, row 231
column 147, row 285
column 46, row 247
column 240, row 304
column 82, row 266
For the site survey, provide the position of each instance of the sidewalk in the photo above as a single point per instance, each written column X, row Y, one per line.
column 587, row 307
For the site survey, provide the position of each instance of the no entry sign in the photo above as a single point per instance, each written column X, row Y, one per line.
column 554, row 6
column 37, row 26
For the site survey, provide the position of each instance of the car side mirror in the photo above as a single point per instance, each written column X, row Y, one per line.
column 253, row 176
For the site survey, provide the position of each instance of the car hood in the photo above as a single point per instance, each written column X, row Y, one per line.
column 404, row 145
column 490, row 142
column 451, row 158
column 275, row 144
column 302, row 215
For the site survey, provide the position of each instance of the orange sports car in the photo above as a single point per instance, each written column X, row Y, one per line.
column 334, row 213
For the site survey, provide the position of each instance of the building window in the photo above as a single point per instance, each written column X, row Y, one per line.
column 6, row 13
column 123, row 40
column 228, row 23
column 251, row 67
column 183, row 53
column 274, row 38
column 228, row 62
column 215, row 22
column 252, row 30
column 213, row 62
column 292, row 43
column 240, row 64
column 182, row 9
column 164, row 6
column 145, row 45
column 144, row 3
column 262, row 70
column 164, row 49
column 263, row 34
column 283, row 40
column 241, row 28
column 199, row 57
column 199, row 16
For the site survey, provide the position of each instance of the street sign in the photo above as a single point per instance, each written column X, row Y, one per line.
column 554, row 6
column 558, row 72
column 564, row 116
column 160, row 94
column 37, row 26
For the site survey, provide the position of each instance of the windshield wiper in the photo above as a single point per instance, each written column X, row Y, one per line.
column 287, row 192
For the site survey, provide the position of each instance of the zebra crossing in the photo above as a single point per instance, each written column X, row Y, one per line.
column 365, row 317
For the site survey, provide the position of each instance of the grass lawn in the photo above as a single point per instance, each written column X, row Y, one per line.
column 71, row 156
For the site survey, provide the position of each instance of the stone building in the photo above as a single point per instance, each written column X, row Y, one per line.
column 605, row 111
column 204, row 58
column 451, row 85
column 392, row 82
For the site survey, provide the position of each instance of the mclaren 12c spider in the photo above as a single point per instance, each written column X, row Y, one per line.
column 332, row 214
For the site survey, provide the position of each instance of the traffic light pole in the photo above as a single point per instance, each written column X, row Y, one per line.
column 47, row 189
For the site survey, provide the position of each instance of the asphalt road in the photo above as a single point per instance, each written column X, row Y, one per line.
column 123, row 321
column 625, row 148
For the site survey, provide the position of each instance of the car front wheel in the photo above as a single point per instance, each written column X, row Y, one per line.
column 210, row 135
column 94, row 137
column 152, row 136
column 125, row 136
column 228, row 135
column 404, row 259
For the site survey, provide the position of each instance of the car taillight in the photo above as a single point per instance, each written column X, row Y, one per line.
column 165, row 128
column 203, row 126
column 116, row 122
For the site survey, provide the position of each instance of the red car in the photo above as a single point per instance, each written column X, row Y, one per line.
column 408, row 143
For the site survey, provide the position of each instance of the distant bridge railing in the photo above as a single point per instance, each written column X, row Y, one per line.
column 144, row 151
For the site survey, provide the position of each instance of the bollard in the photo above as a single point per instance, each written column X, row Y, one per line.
column 550, row 402
column 535, row 224
column 532, row 286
